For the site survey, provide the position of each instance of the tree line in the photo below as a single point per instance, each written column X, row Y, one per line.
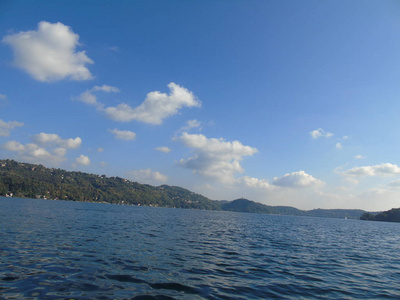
column 25, row 180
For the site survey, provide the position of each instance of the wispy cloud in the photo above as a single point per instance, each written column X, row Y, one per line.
column 190, row 124
column 6, row 127
column 163, row 149
column 147, row 176
column 123, row 134
column 90, row 98
column 320, row 133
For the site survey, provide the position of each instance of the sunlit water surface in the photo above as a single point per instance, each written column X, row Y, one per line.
column 70, row 250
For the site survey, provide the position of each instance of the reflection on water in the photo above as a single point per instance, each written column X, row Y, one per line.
column 57, row 250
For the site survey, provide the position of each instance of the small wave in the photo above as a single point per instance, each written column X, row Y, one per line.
column 174, row 286
column 149, row 297
column 125, row 278
column 10, row 278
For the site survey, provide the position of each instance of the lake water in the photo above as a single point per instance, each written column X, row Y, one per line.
column 70, row 250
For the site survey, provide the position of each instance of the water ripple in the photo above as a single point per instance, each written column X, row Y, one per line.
column 66, row 250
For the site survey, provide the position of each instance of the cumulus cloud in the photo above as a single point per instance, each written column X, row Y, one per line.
column 147, row 176
column 123, row 134
column 52, row 138
column 34, row 153
column 215, row 158
column 156, row 107
column 359, row 157
column 339, row 146
column 253, row 182
column 297, row 179
column 320, row 133
column 163, row 149
column 6, row 127
column 48, row 149
column 49, row 53
column 13, row 146
column 82, row 160
column 385, row 169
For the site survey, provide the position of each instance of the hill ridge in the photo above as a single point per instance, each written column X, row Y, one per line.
column 26, row 180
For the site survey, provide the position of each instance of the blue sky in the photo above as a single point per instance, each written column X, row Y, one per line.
column 282, row 102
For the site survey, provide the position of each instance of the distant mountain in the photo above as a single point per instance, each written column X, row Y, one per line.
column 26, row 180
column 336, row 213
column 244, row 205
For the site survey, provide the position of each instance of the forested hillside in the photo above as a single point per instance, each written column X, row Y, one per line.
column 26, row 180
column 36, row 181
column 392, row 215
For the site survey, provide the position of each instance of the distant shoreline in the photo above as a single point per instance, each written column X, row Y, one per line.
column 24, row 180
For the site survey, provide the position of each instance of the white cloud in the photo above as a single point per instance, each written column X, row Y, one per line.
column 297, row 179
column 339, row 146
column 214, row 158
column 395, row 184
column 385, row 169
column 47, row 149
column 52, row 138
column 359, row 157
column 13, row 146
column 320, row 133
column 88, row 96
column 163, row 149
column 82, row 160
column 156, row 107
column 253, row 182
column 34, row 153
column 105, row 88
column 147, row 176
column 3, row 96
column 114, row 48
column 49, row 53
column 6, row 127
column 100, row 149
column 123, row 134
column 190, row 124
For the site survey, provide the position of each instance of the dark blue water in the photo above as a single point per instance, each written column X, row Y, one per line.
column 68, row 250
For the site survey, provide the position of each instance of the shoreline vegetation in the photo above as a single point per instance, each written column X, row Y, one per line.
column 392, row 215
column 25, row 180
